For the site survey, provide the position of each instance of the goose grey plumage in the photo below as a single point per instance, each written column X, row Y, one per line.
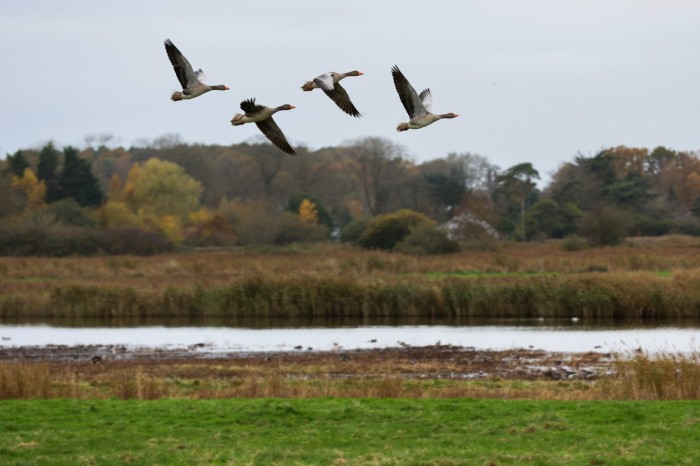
column 262, row 117
column 190, row 80
column 329, row 83
column 418, row 106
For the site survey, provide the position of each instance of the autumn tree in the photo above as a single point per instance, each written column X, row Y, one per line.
column 253, row 221
column 162, row 188
column 380, row 167
column 162, row 196
column 307, row 212
column 626, row 160
column 647, row 185
column 115, row 212
column 310, row 207
column 269, row 161
column 33, row 188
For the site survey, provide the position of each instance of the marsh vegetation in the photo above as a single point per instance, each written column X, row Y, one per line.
column 645, row 279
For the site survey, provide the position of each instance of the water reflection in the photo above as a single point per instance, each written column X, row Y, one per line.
column 347, row 322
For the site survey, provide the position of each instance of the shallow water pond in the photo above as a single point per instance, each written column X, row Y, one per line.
column 570, row 335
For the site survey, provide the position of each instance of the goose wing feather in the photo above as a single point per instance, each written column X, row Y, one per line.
column 201, row 77
column 427, row 98
column 183, row 70
column 341, row 98
column 273, row 132
column 409, row 97
column 250, row 107
column 324, row 81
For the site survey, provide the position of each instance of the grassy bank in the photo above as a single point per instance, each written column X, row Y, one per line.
column 645, row 280
column 359, row 431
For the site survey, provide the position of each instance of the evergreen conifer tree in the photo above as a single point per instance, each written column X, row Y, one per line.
column 47, row 171
column 77, row 180
column 18, row 162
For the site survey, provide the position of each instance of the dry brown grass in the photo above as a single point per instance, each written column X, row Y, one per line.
column 662, row 376
column 212, row 268
column 514, row 280
column 412, row 373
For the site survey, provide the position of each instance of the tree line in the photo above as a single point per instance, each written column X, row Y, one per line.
column 165, row 193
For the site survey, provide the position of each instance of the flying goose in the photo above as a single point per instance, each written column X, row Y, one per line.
column 417, row 106
column 262, row 117
column 192, row 81
column 329, row 83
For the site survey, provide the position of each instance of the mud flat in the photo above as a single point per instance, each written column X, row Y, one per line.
column 425, row 362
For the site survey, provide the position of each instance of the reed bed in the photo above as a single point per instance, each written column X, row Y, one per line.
column 641, row 377
column 662, row 376
column 629, row 295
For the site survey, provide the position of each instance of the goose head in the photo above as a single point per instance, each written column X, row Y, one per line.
column 349, row 73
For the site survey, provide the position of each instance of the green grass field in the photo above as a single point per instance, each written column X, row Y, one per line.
column 348, row 431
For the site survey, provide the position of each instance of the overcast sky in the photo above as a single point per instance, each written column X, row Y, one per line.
column 536, row 80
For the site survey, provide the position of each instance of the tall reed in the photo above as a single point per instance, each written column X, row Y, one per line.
column 663, row 376
column 595, row 295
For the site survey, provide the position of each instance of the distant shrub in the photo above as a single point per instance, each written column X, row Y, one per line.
column 650, row 227
column 574, row 243
column 688, row 228
column 506, row 226
column 426, row 239
column 115, row 214
column 215, row 239
column 214, row 232
column 385, row 231
column 253, row 222
column 604, row 226
column 53, row 241
column 353, row 231
column 68, row 212
column 59, row 241
column 131, row 240
column 294, row 229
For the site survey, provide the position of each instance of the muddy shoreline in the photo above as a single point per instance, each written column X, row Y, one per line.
column 424, row 362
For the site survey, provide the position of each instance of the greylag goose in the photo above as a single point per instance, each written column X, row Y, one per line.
column 262, row 117
column 418, row 106
column 191, row 81
column 329, row 83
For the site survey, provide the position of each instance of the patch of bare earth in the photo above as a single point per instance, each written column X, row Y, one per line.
column 421, row 363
